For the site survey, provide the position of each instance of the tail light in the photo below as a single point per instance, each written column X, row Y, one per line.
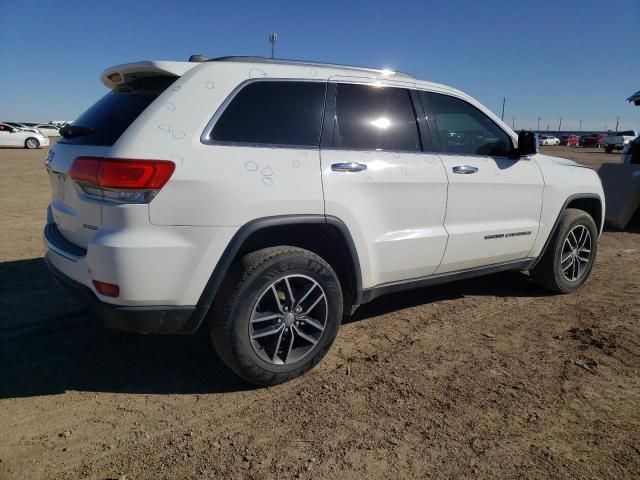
column 121, row 179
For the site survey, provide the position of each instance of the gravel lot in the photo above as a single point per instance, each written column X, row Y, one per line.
column 487, row 378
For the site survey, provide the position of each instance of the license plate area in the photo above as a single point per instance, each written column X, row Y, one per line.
column 58, row 185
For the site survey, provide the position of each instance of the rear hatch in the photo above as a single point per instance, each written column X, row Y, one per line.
column 78, row 216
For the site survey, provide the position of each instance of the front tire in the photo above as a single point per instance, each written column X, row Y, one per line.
column 31, row 143
column 570, row 255
column 277, row 314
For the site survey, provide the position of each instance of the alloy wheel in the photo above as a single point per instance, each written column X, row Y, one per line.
column 288, row 319
column 576, row 253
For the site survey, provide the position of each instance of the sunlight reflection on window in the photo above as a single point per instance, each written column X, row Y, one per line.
column 382, row 122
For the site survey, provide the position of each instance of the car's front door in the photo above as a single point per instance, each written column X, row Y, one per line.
column 9, row 136
column 494, row 201
column 383, row 180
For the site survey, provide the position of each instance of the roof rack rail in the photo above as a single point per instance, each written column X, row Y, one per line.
column 307, row 63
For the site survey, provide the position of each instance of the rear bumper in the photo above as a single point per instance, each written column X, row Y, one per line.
column 165, row 319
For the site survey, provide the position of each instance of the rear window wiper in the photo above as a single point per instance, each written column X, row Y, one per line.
column 72, row 131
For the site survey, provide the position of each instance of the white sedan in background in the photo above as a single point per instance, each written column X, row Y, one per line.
column 14, row 137
column 49, row 130
column 549, row 140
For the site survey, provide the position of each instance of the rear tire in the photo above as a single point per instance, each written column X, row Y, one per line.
column 608, row 150
column 570, row 255
column 31, row 143
column 277, row 314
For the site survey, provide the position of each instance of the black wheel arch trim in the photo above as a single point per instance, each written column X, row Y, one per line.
column 577, row 196
column 242, row 235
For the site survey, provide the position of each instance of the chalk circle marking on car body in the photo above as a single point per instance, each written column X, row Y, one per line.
column 177, row 134
column 257, row 73
column 251, row 166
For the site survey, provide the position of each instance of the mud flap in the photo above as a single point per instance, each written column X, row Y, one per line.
column 621, row 185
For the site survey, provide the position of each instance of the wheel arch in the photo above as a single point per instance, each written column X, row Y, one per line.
column 590, row 203
column 326, row 236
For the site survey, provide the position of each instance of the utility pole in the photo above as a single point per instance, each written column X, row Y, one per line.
column 560, row 124
column 504, row 99
column 580, row 129
column 617, row 123
column 273, row 38
column 513, row 123
column 538, row 124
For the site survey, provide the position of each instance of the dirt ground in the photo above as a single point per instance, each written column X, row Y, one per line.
column 486, row 378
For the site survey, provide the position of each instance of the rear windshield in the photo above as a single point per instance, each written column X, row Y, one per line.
column 110, row 116
column 627, row 133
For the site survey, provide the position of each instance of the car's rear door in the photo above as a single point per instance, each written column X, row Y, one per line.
column 494, row 201
column 382, row 179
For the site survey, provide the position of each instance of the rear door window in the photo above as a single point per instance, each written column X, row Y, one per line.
column 374, row 118
column 110, row 116
column 281, row 113
column 465, row 130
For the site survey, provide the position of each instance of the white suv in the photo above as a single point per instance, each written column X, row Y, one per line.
column 271, row 197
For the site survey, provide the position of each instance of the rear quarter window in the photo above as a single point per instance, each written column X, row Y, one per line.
column 279, row 113
column 110, row 116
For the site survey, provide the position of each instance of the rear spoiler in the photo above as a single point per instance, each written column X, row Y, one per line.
column 114, row 76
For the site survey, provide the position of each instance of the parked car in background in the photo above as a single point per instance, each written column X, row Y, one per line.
column 573, row 141
column 592, row 140
column 549, row 140
column 49, row 130
column 11, row 136
column 59, row 123
column 22, row 126
column 618, row 140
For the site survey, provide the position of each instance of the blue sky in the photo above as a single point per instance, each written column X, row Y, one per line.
column 570, row 59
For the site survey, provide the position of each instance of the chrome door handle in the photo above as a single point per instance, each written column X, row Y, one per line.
column 348, row 167
column 465, row 169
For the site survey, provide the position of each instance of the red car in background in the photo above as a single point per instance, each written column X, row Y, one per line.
column 592, row 140
column 570, row 140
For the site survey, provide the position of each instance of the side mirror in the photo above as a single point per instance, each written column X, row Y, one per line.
column 527, row 143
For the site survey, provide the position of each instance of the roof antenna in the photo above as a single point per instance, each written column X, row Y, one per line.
column 273, row 38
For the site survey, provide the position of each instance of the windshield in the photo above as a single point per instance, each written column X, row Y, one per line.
column 110, row 116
